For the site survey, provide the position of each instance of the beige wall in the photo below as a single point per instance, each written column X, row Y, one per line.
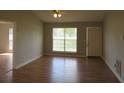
column 113, row 44
column 4, row 37
column 81, row 36
column 28, row 38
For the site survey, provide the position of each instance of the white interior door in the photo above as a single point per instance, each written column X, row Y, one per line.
column 93, row 41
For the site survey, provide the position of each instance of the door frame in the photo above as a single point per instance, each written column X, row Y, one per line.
column 14, row 41
column 87, row 41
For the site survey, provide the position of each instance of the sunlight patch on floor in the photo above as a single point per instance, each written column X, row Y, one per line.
column 6, row 54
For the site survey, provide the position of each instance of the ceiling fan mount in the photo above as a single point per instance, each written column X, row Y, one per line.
column 56, row 13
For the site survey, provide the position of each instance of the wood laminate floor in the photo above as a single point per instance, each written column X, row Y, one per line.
column 51, row 69
column 5, row 67
column 65, row 70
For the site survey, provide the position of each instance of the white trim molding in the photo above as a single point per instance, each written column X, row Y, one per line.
column 66, row 55
column 118, row 77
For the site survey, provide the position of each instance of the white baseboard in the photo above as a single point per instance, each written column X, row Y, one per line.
column 118, row 77
column 68, row 55
column 27, row 62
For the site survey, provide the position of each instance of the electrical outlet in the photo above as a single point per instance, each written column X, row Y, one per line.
column 117, row 66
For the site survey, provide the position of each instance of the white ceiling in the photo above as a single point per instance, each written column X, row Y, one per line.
column 72, row 16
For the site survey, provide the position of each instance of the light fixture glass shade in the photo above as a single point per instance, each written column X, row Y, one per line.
column 55, row 15
column 59, row 15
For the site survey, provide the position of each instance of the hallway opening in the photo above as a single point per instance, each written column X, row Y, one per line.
column 6, row 50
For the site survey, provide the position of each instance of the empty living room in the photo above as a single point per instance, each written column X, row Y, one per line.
column 61, row 46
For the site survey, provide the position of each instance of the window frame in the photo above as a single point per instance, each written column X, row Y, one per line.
column 64, row 41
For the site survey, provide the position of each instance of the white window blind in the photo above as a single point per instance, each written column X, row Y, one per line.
column 65, row 39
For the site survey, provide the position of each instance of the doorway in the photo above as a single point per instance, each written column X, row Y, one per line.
column 93, row 41
column 6, row 50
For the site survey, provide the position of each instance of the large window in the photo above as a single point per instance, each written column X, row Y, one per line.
column 65, row 39
column 10, row 38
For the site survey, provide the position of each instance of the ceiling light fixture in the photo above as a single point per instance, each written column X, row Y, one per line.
column 57, row 13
